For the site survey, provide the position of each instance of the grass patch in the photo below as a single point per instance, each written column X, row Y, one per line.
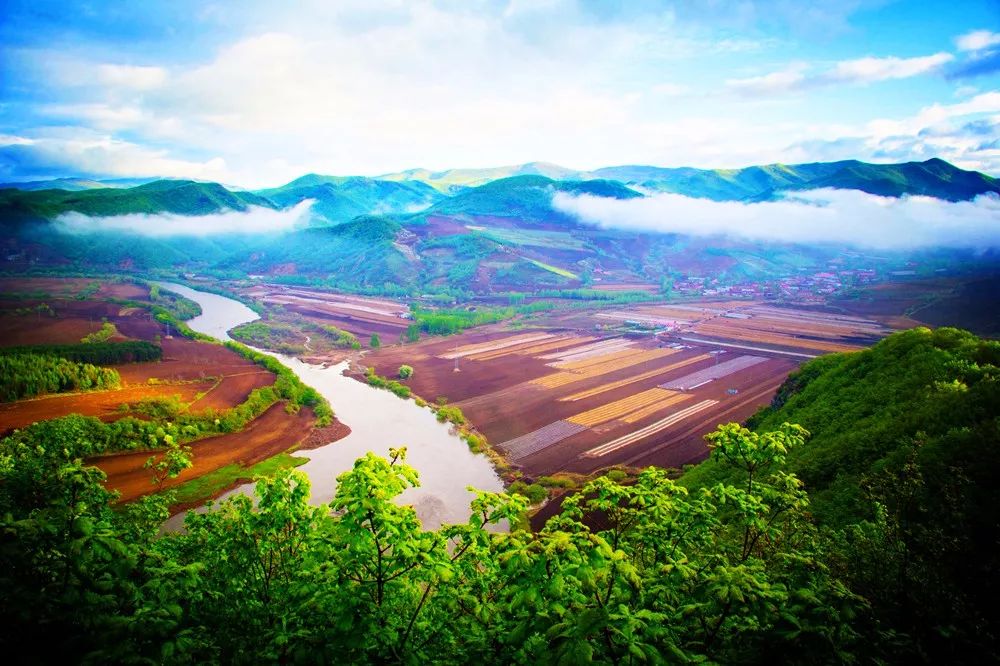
column 555, row 269
column 197, row 491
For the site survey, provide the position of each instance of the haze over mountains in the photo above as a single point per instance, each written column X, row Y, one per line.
column 526, row 226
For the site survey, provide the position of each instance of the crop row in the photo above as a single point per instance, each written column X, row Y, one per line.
column 526, row 348
column 669, row 401
column 581, row 354
column 618, row 408
column 535, row 441
column 740, row 333
column 651, row 429
column 565, row 377
column 568, row 354
column 603, row 388
column 469, row 350
column 717, row 371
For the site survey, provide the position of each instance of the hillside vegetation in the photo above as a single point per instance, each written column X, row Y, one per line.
column 736, row 564
column 400, row 234
column 903, row 457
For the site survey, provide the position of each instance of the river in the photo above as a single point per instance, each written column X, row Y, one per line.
column 378, row 420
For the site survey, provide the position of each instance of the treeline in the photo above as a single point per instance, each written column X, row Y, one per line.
column 96, row 353
column 28, row 375
column 448, row 321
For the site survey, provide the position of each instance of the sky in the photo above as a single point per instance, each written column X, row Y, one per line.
column 255, row 94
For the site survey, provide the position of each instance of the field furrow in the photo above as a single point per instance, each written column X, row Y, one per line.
column 478, row 348
column 649, row 410
column 565, row 377
column 718, row 371
column 651, row 429
column 603, row 388
column 619, row 408
column 535, row 441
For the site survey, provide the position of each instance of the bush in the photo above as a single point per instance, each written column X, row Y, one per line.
column 405, row 372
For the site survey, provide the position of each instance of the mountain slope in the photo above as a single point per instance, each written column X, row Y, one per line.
column 527, row 198
column 452, row 181
column 339, row 199
column 182, row 197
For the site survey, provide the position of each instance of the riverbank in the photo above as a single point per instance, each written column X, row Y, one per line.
column 377, row 421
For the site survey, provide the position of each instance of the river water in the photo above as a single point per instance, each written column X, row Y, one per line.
column 378, row 420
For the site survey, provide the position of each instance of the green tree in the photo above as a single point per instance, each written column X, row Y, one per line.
column 374, row 342
column 405, row 371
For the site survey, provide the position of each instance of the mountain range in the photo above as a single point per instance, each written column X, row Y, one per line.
column 478, row 230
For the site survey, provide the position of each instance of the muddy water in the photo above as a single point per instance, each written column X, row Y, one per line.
column 378, row 420
column 218, row 313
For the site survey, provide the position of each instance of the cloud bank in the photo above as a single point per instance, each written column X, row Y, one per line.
column 843, row 217
column 254, row 220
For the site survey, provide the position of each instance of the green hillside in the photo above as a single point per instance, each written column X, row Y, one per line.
column 527, row 198
column 903, row 466
column 934, row 177
column 183, row 197
column 339, row 199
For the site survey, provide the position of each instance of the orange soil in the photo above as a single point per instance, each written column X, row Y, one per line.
column 271, row 433
column 102, row 404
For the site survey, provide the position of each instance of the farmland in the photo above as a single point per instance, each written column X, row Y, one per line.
column 360, row 315
column 192, row 379
column 580, row 391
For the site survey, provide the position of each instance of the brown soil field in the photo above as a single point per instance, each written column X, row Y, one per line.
column 546, row 397
column 273, row 432
column 359, row 315
column 31, row 330
column 102, row 404
column 185, row 359
column 232, row 390
column 66, row 287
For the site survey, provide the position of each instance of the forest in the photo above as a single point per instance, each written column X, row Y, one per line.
column 753, row 557
column 28, row 375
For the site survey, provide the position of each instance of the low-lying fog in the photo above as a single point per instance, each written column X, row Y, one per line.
column 815, row 216
column 254, row 220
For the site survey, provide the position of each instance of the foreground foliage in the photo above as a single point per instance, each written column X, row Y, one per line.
column 728, row 573
column 731, row 569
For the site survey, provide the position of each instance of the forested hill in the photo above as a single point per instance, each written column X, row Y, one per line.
column 735, row 565
column 182, row 197
column 911, row 425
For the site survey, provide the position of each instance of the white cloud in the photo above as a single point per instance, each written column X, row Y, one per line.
column 132, row 77
column 796, row 77
column 254, row 220
column 868, row 70
column 14, row 140
column 790, row 78
column 977, row 40
column 843, row 217
column 76, row 152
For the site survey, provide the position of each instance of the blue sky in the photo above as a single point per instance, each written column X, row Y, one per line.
column 255, row 94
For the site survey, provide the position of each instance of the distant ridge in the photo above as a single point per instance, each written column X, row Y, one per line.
column 934, row 177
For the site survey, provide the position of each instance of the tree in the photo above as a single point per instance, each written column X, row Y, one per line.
column 405, row 372
column 171, row 462
column 375, row 342
column 413, row 333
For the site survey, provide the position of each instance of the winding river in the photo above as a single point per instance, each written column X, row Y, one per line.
column 378, row 420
